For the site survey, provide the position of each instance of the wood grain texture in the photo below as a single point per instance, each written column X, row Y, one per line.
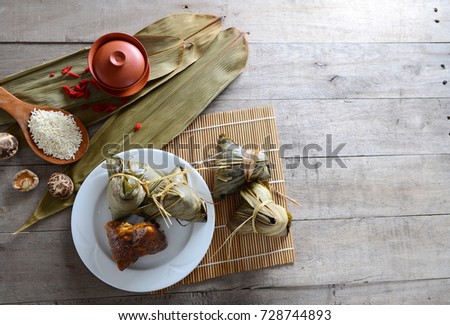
column 368, row 187
column 351, row 251
column 277, row 21
column 366, row 127
column 370, row 73
column 429, row 291
column 306, row 71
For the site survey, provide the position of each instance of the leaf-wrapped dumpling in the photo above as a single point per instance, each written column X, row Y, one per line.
column 125, row 190
column 176, row 199
column 236, row 166
column 258, row 213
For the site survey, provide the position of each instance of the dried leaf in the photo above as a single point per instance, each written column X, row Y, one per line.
column 199, row 33
column 164, row 113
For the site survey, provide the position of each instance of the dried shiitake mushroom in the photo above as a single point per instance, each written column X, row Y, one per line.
column 60, row 186
column 25, row 180
column 8, row 145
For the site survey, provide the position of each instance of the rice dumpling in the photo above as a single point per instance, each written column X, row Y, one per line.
column 237, row 166
column 125, row 190
column 258, row 213
column 138, row 188
column 176, row 199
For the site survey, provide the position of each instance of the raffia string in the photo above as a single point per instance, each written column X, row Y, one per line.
column 164, row 213
column 230, row 236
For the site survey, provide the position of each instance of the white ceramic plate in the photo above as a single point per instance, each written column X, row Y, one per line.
column 186, row 245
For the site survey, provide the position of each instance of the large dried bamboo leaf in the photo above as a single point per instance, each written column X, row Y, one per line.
column 184, row 25
column 35, row 86
column 166, row 56
column 195, row 46
column 165, row 112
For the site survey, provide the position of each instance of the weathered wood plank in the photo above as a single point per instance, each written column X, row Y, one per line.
column 324, row 71
column 367, row 127
column 18, row 57
column 432, row 291
column 371, row 186
column 368, row 233
column 277, row 21
column 368, row 187
column 43, row 266
column 354, row 251
column 306, row 71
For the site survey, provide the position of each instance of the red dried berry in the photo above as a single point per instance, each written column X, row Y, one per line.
column 137, row 127
column 66, row 69
column 110, row 108
column 66, row 90
column 71, row 74
column 72, row 93
column 86, row 69
column 100, row 107
column 77, row 94
column 52, row 74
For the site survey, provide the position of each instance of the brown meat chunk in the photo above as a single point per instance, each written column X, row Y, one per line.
column 129, row 242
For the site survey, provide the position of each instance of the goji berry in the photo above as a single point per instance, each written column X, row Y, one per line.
column 72, row 93
column 100, row 107
column 52, row 74
column 137, row 127
column 110, row 108
column 66, row 90
column 66, row 69
column 71, row 74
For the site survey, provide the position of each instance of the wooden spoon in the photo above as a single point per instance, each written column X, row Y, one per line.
column 21, row 112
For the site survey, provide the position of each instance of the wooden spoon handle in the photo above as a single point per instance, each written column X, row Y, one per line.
column 14, row 106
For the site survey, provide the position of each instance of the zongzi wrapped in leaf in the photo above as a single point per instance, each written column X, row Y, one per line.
column 176, row 199
column 258, row 213
column 237, row 166
column 126, row 190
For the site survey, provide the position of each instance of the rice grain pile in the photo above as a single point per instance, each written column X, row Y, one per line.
column 55, row 133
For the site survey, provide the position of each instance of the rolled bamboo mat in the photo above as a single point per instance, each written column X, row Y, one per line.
column 249, row 127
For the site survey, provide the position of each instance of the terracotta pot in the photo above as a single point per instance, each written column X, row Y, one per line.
column 119, row 64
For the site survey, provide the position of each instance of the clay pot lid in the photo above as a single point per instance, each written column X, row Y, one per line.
column 119, row 63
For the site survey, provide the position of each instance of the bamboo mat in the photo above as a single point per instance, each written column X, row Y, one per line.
column 249, row 127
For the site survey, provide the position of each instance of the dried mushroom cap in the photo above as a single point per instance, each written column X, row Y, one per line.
column 25, row 180
column 8, row 145
column 60, row 186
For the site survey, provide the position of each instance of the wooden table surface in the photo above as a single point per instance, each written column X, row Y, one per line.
column 371, row 74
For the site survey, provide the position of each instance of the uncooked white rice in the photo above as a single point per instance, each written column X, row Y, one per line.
column 55, row 133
